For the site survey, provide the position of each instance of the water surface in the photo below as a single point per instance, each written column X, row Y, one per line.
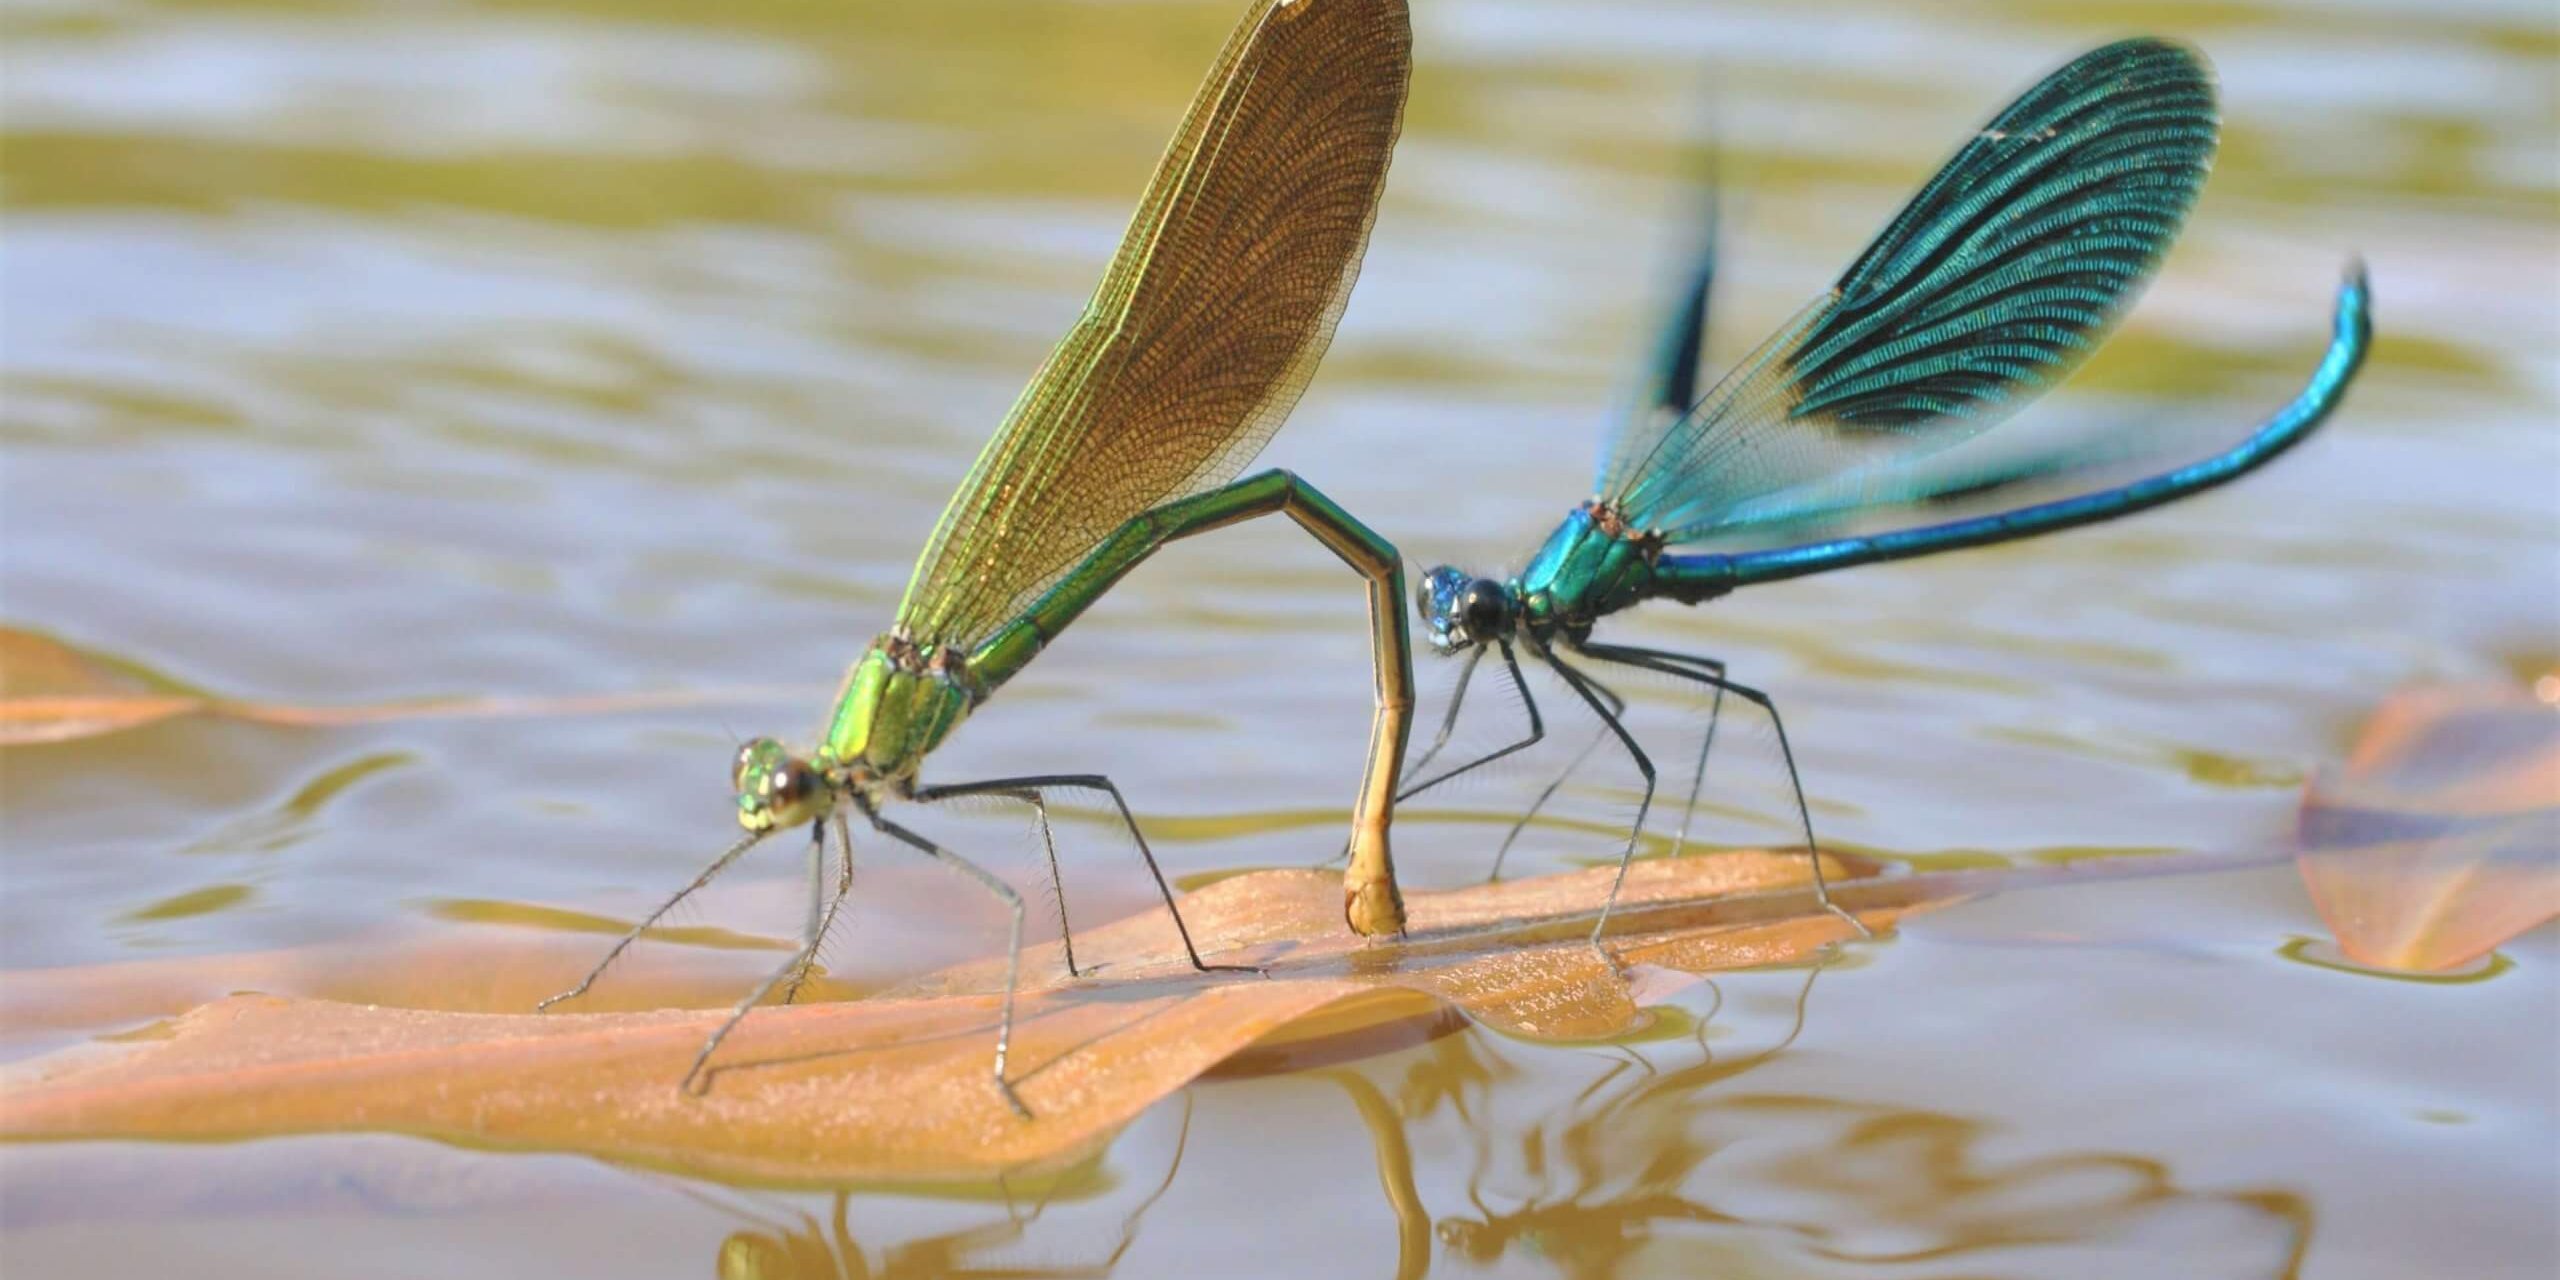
column 357, row 352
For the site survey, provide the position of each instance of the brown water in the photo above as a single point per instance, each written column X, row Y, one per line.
column 358, row 352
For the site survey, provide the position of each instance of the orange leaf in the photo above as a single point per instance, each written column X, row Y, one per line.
column 897, row 1085
column 2441, row 837
column 28, row 721
column 52, row 692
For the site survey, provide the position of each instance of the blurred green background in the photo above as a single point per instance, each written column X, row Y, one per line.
column 360, row 351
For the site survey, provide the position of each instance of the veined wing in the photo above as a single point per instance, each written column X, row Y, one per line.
column 1209, row 323
column 1669, row 384
column 1958, row 477
column 1998, row 278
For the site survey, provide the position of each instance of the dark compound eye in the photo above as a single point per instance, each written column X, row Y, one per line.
column 1485, row 609
column 787, row 785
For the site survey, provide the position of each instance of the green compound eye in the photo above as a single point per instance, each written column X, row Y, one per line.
column 755, row 759
column 1237, row 263
column 775, row 788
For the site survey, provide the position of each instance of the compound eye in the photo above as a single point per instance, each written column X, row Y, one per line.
column 1484, row 609
column 755, row 759
column 1440, row 589
column 787, row 785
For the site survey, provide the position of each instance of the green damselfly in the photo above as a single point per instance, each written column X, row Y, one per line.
column 1206, row 327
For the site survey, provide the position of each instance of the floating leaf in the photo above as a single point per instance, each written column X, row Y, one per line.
column 465, row 971
column 28, row 721
column 897, row 1085
column 2441, row 837
column 52, row 692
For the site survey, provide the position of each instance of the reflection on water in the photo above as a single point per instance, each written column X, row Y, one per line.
column 1590, row 1186
column 1649, row 1163
column 1662, row 1154
column 361, row 351
column 797, row 1246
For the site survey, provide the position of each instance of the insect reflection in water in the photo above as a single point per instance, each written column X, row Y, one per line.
column 1695, row 1163
column 801, row 1247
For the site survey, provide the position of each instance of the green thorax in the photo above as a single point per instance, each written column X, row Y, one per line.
column 1592, row 566
column 899, row 702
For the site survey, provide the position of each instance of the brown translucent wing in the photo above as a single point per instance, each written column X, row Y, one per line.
column 1208, row 325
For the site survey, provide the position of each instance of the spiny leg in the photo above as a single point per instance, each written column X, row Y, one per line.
column 1090, row 782
column 1448, row 722
column 1580, row 684
column 1013, row 942
column 1698, row 776
column 1688, row 667
column 1537, row 730
column 1057, row 879
column 798, row 962
column 835, row 903
column 1048, row 846
column 1711, row 672
column 1617, row 705
column 718, row 865
column 1502, row 853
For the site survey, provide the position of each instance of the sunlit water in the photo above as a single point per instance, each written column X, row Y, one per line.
column 356, row 353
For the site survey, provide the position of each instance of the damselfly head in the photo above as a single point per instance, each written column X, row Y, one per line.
column 776, row 788
column 1459, row 609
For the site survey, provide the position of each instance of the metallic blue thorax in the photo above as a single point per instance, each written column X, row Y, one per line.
column 1589, row 568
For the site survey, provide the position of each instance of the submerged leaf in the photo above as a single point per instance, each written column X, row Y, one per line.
column 52, row 692
column 897, row 1085
column 29, row 721
column 2441, row 837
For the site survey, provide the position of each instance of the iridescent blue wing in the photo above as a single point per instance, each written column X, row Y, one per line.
column 1926, row 485
column 1671, row 376
column 1667, row 384
column 1997, row 469
column 2001, row 275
